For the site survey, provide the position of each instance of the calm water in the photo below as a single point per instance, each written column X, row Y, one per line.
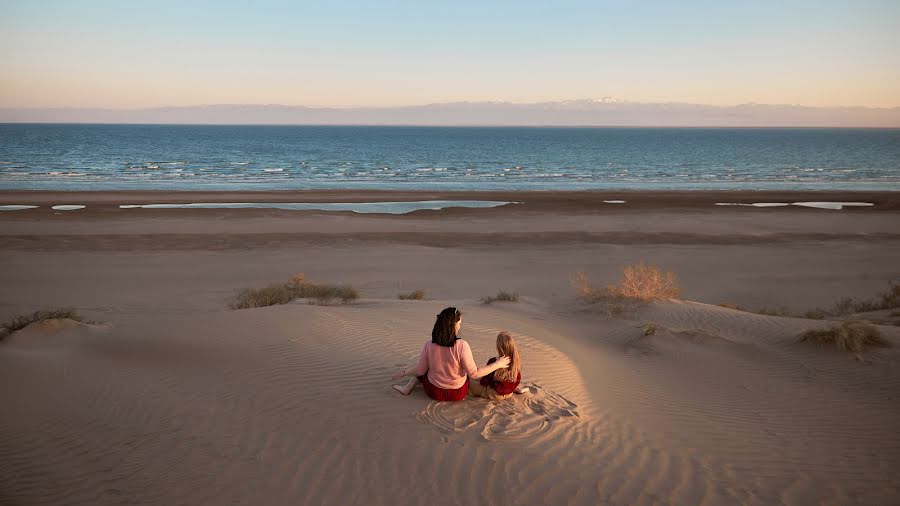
column 87, row 157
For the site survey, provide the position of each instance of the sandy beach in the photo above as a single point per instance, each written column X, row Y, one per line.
column 169, row 397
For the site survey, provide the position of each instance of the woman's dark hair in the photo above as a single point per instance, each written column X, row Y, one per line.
column 444, row 331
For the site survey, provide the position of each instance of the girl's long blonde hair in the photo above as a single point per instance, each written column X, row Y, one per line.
column 506, row 347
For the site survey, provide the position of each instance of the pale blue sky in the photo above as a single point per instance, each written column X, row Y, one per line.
column 355, row 53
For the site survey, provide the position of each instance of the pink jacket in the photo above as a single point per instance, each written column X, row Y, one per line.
column 447, row 367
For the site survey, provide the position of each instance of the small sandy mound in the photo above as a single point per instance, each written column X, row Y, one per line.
column 653, row 339
column 44, row 332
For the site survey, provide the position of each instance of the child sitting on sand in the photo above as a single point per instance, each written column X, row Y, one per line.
column 502, row 383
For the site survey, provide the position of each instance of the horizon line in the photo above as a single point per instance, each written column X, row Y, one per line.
column 573, row 101
column 461, row 125
column 605, row 112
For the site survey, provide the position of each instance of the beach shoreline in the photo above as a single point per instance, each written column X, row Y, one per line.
column 542, row 200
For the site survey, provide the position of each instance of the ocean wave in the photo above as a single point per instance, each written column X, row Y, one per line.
column 65, row 173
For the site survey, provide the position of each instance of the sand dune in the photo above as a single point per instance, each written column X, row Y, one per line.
column 176, row 400
column 293, row 404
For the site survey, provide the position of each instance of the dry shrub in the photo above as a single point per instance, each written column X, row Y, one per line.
column 21, row 321
column 729, row 305
column 295, row 288
column 297, row 279
column 609, row 298
column 894, row 314
column 848, row 336
column 889, row 299
column 649, row 329
column 280, row 293
column 639, row 282
column 413, row 295
column 502, row 296
column 648, row 282
column 583, row 286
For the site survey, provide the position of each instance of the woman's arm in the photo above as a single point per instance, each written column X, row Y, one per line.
column 420, row 368
column 500, row 363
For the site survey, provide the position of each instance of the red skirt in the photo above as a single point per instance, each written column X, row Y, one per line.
column 444, row 394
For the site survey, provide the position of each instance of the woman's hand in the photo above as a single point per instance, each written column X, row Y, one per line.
column 399, row 374
column 502, row 362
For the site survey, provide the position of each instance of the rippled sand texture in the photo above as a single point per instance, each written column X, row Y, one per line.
column 293, row 404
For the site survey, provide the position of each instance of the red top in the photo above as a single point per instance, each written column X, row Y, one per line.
column 501, row 387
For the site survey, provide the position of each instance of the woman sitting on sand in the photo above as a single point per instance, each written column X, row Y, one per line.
column 446, row 362
column 504, row 382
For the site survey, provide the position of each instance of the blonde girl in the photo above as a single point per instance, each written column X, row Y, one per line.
column 501, row 383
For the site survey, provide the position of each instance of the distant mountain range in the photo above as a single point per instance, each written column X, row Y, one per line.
column 590, row 112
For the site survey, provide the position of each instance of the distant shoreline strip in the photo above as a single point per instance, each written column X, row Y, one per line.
column 357, row 207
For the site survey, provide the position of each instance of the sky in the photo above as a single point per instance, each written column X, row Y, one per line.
column 136, row 54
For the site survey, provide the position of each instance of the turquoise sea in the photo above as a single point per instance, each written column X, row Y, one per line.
column 188, row 157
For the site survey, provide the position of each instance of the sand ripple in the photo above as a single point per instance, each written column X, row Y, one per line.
column 293, row 405
column 519, row 417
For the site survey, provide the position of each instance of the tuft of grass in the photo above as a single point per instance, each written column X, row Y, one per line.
column 295, row 288
column 413, row 295
column 649, row 329
column 324, row 294
column 280, row 293
column 729, row 305
column 889, row 299
column 848, row 336
column 21, row 321
column 502, row 296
